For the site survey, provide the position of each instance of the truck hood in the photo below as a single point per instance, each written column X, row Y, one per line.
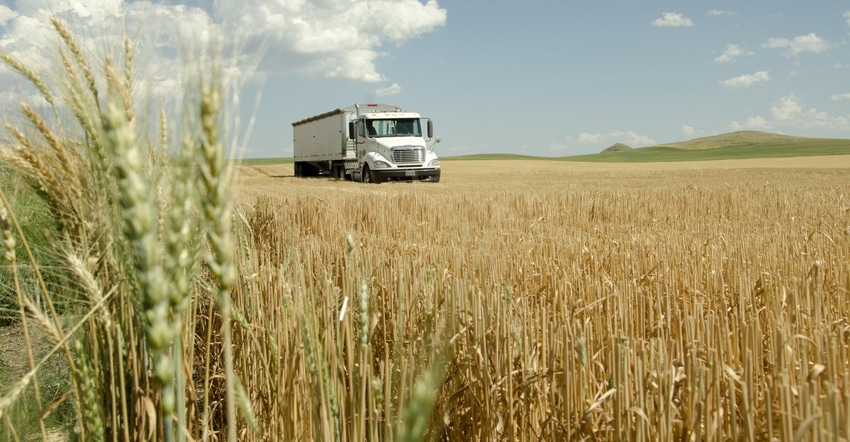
column 389, row 143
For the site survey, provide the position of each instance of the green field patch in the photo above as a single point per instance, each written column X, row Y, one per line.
column 261, row 161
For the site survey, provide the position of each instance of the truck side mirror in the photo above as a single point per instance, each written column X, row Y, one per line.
column 430, row 129
column 352, row 131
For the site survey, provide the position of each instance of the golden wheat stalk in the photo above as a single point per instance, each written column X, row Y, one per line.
column 217, row 212
column 45, row 175
column 79, row 57
column 29, row 74
column 139, row 211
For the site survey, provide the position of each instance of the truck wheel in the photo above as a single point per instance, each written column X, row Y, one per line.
column 366, row 175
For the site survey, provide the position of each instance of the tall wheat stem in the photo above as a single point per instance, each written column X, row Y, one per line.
column 140, row 226
column 218, row 212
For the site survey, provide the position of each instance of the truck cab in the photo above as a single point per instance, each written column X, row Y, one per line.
column 391, row 144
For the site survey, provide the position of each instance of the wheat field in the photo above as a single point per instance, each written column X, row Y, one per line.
column 156, row 293
column 550, row 301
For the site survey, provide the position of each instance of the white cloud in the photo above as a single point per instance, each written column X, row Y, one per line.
column 751, row 123
column 329, row 38
column 395, row 89
column 6, row 14
column 786, row 108
column 587, row 138
column 747, row 80
column 719, row 12
column 95, row 11
column 847, row 17
column 731, row 54
column 798, row 45
column 628, row 137
column 672, row 19
column 156, row 32
column 756, row 123
column 26, row 39
column 789, row 115
column 840, row 97
column 687, row 130
column 255, row 39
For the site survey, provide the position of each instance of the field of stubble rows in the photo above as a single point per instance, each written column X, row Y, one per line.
column 541, row 300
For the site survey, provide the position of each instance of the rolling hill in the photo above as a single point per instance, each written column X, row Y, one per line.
column 740, row 138
column 619, row 147
column 735, row 145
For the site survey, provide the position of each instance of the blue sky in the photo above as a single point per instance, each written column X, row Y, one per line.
column 549, row 78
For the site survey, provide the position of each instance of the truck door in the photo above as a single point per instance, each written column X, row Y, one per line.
column 361, row 139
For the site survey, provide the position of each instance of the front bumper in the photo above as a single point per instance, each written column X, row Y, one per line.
column 407, row 174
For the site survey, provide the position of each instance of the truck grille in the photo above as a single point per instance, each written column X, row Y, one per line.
column 408, row 154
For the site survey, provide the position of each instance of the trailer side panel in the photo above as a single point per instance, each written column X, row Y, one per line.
column 321, row 139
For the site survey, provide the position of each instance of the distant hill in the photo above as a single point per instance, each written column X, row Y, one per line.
column 619, row 147
column 735, row 145
column 740, row 138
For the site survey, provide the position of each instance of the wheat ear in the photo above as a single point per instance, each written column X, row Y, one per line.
column 29, row 74
column 77, row 53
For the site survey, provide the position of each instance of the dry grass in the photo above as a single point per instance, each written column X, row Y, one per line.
column 550, row 303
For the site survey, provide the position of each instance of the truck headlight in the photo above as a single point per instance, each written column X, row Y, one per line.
column 433, row 163
column 380, row 165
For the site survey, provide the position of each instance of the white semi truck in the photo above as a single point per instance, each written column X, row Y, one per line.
column 370, row 143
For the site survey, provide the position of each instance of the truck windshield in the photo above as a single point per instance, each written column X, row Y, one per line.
column 403, row 127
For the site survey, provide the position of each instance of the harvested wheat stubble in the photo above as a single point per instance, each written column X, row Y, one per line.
column 562, row 301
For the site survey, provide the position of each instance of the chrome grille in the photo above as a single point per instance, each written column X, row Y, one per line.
column 408, row 154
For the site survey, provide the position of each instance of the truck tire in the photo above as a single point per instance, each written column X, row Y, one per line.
column 367, row 176
column 304, row 169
